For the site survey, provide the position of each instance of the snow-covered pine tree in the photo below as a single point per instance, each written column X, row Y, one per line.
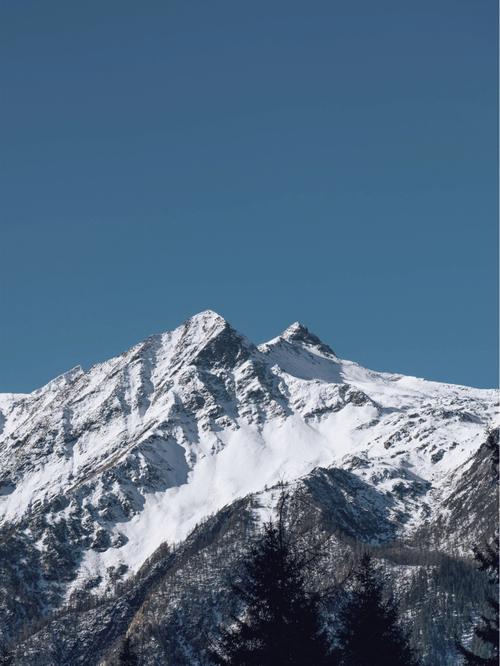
column 368, row 630
column 280, row 621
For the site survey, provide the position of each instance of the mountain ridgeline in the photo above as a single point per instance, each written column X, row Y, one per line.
column 129, row 492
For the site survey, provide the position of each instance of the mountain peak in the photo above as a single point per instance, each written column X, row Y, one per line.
column 297, row 328
column 205, row 324
column 298, row 333
column 208, row 317
column 213, row 340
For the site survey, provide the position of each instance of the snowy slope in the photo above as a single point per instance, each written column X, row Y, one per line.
column 98, row 468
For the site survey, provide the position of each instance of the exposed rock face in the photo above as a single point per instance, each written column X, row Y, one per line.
column 100, row 469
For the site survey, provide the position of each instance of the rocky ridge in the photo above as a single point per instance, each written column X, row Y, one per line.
column 101, row 469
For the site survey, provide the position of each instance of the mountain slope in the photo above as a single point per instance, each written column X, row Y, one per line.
column 174, row 604
column 100, row 468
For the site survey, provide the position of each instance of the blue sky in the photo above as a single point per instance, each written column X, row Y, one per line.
column 333, row 162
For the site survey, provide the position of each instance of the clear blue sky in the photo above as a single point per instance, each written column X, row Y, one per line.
column 333, row 162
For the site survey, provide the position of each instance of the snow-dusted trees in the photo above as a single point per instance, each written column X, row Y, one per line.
column 368, row 630
column 487, row 558
column 487, row 629
column 281, row 622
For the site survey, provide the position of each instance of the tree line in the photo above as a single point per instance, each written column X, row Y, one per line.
column 281, row 622
column 281, row 619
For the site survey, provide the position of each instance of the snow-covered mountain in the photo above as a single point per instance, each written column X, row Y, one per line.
column 99, row 468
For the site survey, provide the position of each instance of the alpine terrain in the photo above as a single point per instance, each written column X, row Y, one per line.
column 128, row 491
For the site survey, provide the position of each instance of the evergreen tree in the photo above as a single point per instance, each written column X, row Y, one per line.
column 281, row 622
column 369, row 633
column 126, row 656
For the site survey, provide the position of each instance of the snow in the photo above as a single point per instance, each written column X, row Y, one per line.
column 188, row 437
